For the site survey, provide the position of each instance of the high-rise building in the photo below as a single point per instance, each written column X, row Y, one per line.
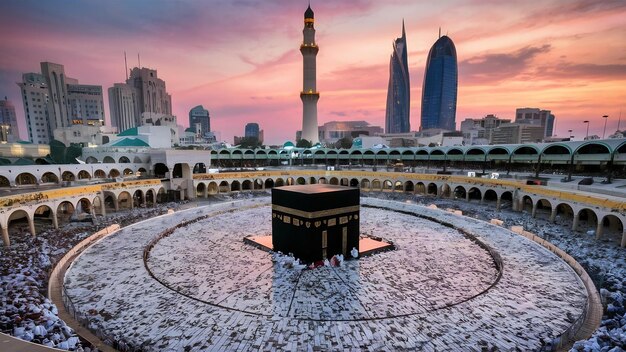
column 535, row 116
column 309, row 94
column 85, row 104
column 56, row 81
column 439, row 91
column 517, row 133
column 9, row 132
column 397, row 115
column 123, row 106
column 142, row 93
column 480, row 129
column 52, row 100
column 200, row 115
column 35, row 98
column 252, row 130
column 333, row 131
column 151, row 93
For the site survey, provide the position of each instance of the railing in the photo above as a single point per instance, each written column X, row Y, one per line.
column 593, row 306
column 56, row 287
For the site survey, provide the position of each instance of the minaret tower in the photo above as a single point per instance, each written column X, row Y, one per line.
column 309, row 94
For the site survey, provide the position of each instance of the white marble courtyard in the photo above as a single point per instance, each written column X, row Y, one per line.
column 438, row 290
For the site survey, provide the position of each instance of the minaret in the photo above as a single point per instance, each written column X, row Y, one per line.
column 309, row 94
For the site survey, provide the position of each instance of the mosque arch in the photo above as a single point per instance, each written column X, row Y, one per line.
column 83, row 175
column 99, row 174
column 124, row 200
column 25, row 178
column 91, row 160
column 64, row 212
column 114, row 173
column 474, row 194
column 49, row 177
column 68, row 176
column 431, row 189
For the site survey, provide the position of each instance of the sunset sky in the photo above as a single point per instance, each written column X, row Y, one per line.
column 240, row 58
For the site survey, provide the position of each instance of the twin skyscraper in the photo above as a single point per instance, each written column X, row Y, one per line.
column 439, row 90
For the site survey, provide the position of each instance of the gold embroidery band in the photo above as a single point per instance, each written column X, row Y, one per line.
column 315, row 214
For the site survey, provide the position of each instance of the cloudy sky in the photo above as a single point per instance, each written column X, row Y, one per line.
column 240, row 58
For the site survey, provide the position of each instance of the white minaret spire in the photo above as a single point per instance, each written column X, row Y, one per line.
column 309, row 94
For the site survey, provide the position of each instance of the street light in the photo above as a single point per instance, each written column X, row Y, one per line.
column 587, row 136
column 571, row 137
column 605, row 117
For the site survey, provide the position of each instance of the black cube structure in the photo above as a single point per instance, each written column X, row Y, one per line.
column 315, row 222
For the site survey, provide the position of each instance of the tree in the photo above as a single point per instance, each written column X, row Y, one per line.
column 303, row 143
column 344, row 143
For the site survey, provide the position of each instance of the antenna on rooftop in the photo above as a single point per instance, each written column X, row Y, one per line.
column 125, row 65
column 138, row 60
column 619, row 121
column 439, row 32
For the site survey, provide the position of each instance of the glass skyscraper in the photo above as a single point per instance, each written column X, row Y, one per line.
column 200, row 115
column 399, row 90
column 440, row 86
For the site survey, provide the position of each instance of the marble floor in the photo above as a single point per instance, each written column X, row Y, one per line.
column 202, row 288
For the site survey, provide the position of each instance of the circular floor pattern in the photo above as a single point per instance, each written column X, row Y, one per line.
column 432, row 293
column 433, row 266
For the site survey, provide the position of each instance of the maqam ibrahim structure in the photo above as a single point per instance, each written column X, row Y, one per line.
column 439, row 91
column 309, row 94
column 398, row 93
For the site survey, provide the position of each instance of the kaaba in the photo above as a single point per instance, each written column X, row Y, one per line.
column 315, row 222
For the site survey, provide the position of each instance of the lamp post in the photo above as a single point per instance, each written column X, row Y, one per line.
column 571, row 137
column 587, row 135
column 605, row 117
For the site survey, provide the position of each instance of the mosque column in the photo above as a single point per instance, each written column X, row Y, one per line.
column 31, row 225
column 103, row 208
column 534, row 211
column 575, row 222
column 623, row 239
column 553, row 215
column 5, row 237
column 599, row 230
column 55, row 221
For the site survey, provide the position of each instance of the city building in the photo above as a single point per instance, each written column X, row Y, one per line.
column 535, row 116
column 35, row 98
column 85, row 104
column 52, row 100
column 56, row 82
column 333, row 131
column 252, row 130
column 85, row 135
column 123, row 106
column 151, row 94
column 200, row 115
column 478, row 131
column 397, row 113
column 309, row 94
column 9, row 131
column 439, row 91
column 517, row 133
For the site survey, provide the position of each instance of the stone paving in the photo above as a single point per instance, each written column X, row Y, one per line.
column 220, row 294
